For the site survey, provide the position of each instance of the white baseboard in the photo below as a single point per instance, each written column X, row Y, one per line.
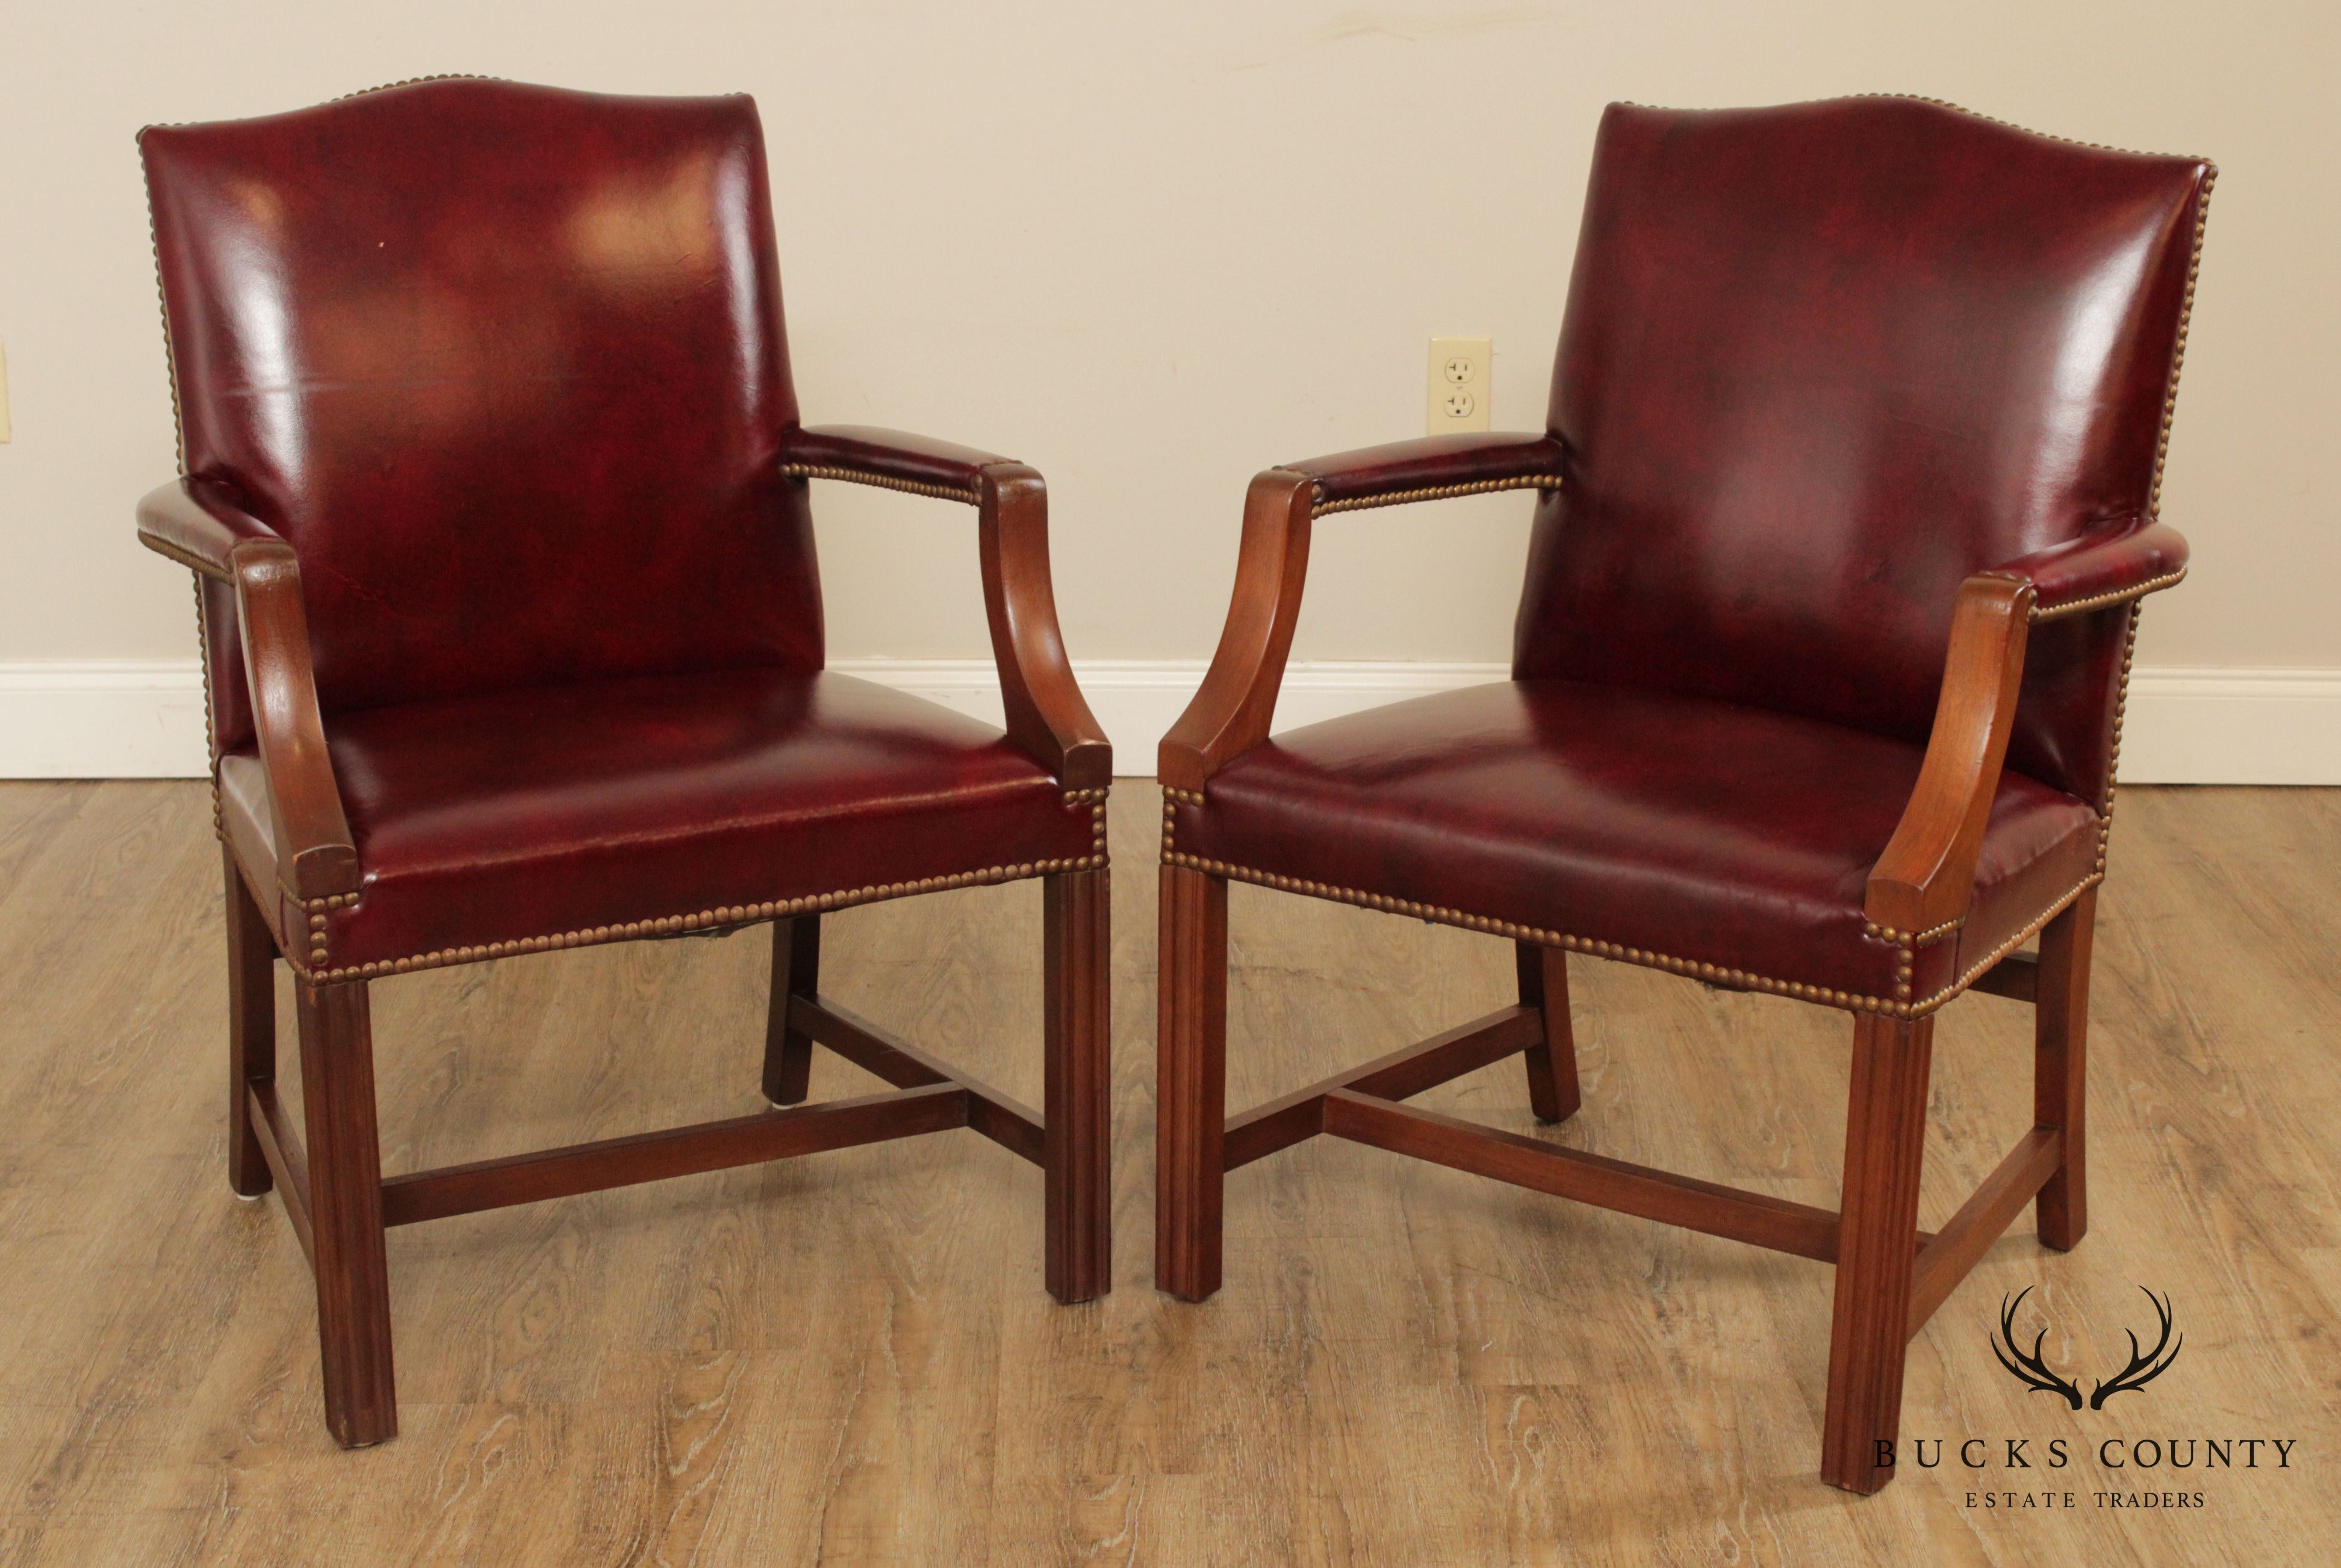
column 113, row 719
column 145, row 719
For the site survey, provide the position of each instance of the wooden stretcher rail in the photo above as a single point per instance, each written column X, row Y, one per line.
column 1301, row 1116
column 563, row 1173
column 1014, row 1126
column 1595, row 1179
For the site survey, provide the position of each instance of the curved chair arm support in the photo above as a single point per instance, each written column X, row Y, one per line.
column 1047, row 715
column 197, row 522
column 1926, row 876
column 1230, row 713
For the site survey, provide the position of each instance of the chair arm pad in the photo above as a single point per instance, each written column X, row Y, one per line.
column 2107, row 566
column 199, row 523
column 1436, row 466
column 893, row 459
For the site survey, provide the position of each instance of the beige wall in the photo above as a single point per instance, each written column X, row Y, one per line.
column 1151, row 249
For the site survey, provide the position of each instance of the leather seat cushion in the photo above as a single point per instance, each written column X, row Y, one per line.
column 558, row 815
column 1723, row 841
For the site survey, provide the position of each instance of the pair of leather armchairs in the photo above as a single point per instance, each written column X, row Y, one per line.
column 496, row 493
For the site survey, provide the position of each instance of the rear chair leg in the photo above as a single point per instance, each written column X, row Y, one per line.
column 1190, row 1098
column 1884, row 1138
column 345, row 1212
column 1076, row 967
column 251, row 1028
column 2060, row 1051
column 796, row 972
column 1552, row 1062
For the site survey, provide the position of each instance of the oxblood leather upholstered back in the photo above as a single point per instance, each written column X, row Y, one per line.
column 505, row 364
column 1821, row 363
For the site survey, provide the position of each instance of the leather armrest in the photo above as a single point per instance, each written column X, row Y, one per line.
column 1046, row 715
column 1232, row 711
column 893, row 459
column 1436, row 465
column 2107, row 566
column 197, row 522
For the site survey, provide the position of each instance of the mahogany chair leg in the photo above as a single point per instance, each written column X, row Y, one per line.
column 1190, row 1099
column 1885, row 1137
column 1076, row 1107
column 2061, row 1052
column 1552, row 1062
column 796, row 972
column 251, row 1028
column 344, row 1158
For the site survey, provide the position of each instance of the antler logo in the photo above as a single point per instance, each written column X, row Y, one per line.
column 2031, row 1370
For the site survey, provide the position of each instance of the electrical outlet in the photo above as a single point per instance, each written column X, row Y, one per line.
column 1457, row 397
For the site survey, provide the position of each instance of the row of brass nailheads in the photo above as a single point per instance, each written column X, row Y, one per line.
column 316, row 906
column 1853, row 1001
column 211, row 734
column 1075, row 796
column 412, row 81
column 2178, row 346
column 729, row 914
column 1436, row 493
column 2011, row 944
column 880, row 481
column 2099, row 601
column 1926, row 938
column 1183, row 796
column 201, row 568
column 1903, row 1007
column 2113, row 750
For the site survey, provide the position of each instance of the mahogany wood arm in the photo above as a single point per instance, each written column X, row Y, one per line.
column 1046, row 715
column 1926, row 876
column 1232, row 711
column 199, row 524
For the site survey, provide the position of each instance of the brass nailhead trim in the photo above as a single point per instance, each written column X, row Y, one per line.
column 1926, row 938
column 200, row 567
column 211, row 732
column 1901, row 1007
column 411, row 81
column 727, row 915
column 1183, row 796
column 2099, row 601
column 2178, row 347
column 1436, row 493
column 2113, row 750
column 1852, row 1001
column 880, row 481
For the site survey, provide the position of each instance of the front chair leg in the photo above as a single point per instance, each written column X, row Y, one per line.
column 251, row 1028
column 1553, row 1093
column 1076, row 1107
column 345, row 1212
column 1878, row 1233
column 1190, row 1097
column 2061, row 1052
column 796, row 972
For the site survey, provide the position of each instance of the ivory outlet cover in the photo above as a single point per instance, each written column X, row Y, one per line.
column 1456, row 398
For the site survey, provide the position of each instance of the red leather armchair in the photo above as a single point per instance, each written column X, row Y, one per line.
column 1845, row 503
column 496, row 496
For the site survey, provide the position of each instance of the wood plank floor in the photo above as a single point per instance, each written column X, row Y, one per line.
column 850, row 1358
